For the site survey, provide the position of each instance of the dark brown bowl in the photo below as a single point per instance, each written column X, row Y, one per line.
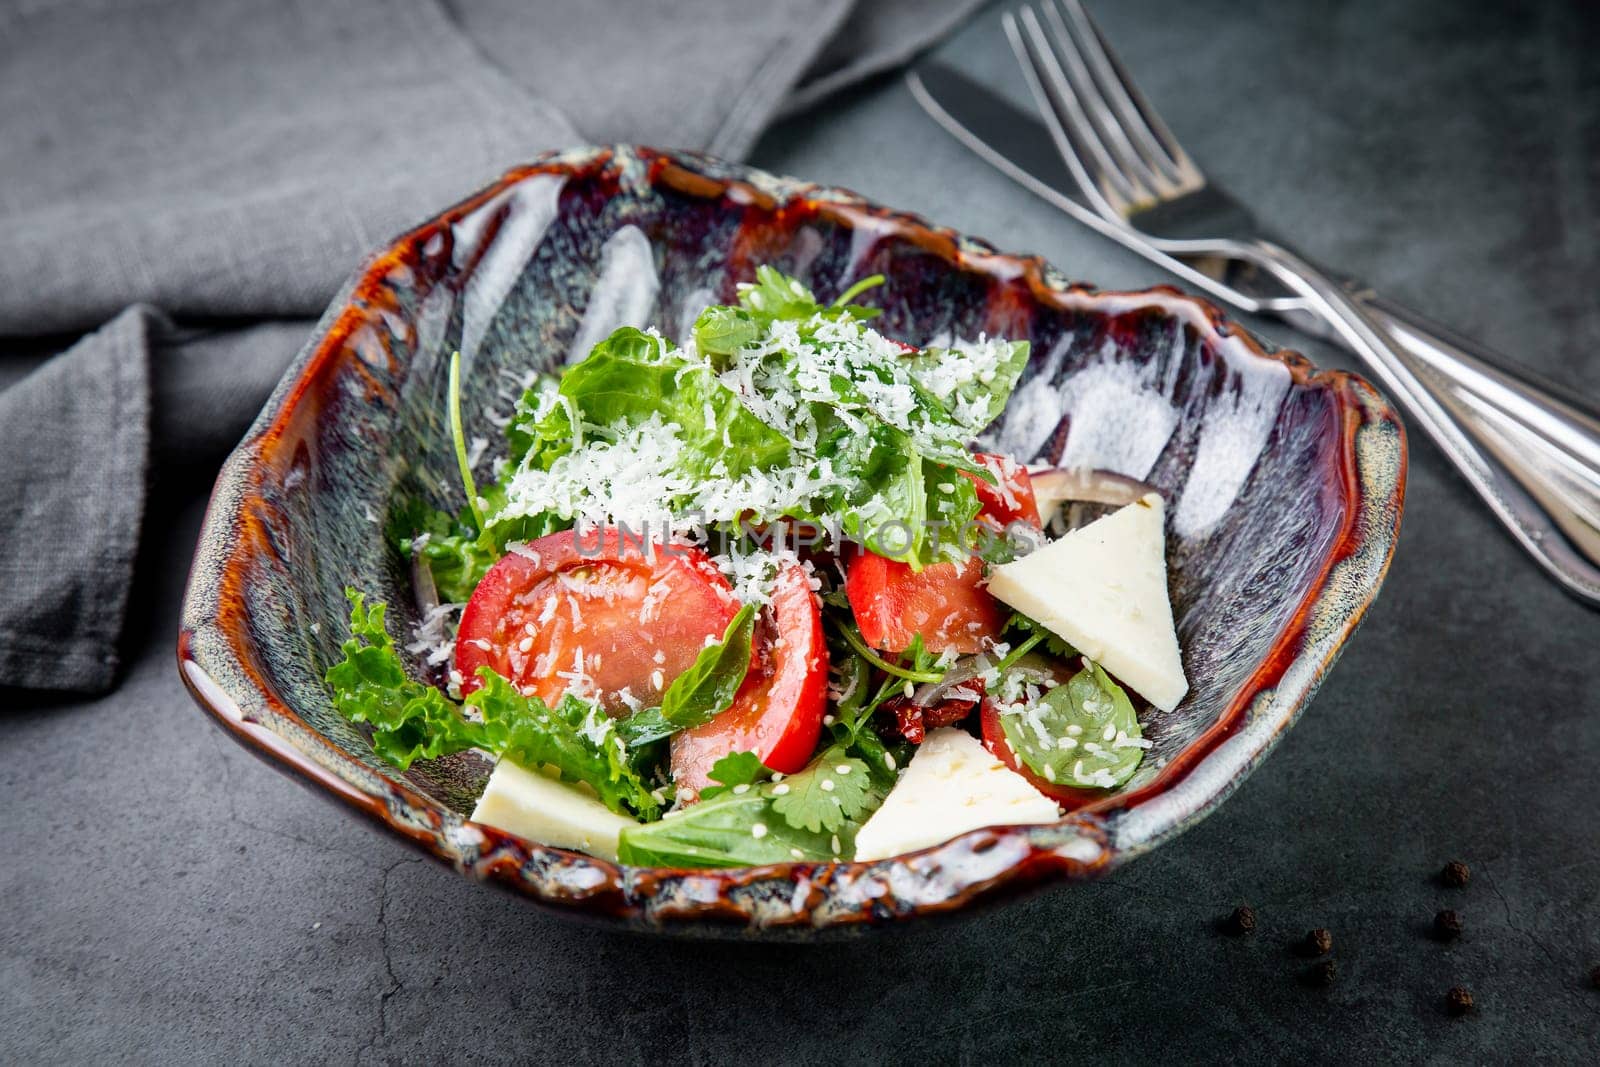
column 1285, row 484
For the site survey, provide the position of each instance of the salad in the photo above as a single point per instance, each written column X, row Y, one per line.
column 759, row 596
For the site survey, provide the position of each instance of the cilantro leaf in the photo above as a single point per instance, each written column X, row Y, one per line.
column 750, row 828
column 833, row 790
column 1083, row 734
column 733, row 770
column 707, row 688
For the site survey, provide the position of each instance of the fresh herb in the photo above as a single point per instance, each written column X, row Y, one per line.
column 1083, row 734
column 644, row 727
column 852, row 634
column 872, row 281
column 707, row 688
column 721, row 331
column 733, row 770
column 731, row 830
column 459, row 437
column 976, row 397
column 1053, row 642
column 630, row 377
column 414, row 721
column 796, row 818
column 834, row 790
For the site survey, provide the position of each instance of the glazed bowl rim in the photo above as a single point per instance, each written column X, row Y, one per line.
column 215, row 644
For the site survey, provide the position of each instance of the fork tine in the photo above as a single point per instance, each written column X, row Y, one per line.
column 1148, row 174
column 1137, row 116
column 1076, row 137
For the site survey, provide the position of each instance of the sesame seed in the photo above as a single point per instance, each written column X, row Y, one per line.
column 741, row 789
column 1110, row 732
column 780, row 790
column 796, row 853
column 843, row 768
column 888, row 760
column 1073, row 729
column 910, row 689
column 827, row 785
column 835, row 844
column 758, row 831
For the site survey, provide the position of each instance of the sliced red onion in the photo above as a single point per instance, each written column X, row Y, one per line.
column 962, row 670
column 1054, row 486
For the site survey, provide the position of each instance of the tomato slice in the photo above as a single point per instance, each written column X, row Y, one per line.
column 1011, row 498
column 945, row 603
column 777, row 713
column 994, row 739
column 604, row 615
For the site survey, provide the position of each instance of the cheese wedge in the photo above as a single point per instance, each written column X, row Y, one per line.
column 1103, row 588
column 953, row 784
column 548, row 811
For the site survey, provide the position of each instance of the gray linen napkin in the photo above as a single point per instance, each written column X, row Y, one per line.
column 192, row 179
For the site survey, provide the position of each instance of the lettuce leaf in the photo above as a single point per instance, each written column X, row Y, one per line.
column 412, row 721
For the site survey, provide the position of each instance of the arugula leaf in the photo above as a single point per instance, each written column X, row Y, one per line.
column 707, row 688
column 414, row 721
column 833, row 790
column 974, row 398
column 733, row 770
column 1090, row 733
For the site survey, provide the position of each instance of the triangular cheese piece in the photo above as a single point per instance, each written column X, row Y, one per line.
column 1103, row 588
column 549, row 812
column 952, row 784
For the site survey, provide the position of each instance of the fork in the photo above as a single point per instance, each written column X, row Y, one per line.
column 1534, row 459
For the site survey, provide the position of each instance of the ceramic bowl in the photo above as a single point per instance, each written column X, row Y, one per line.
column 1285, row 487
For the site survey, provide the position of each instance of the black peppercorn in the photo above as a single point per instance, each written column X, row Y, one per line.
column 1242, row 921
column 1455, row 874
column 1317, row 942
column 1458, row 1000
column 1447, row 925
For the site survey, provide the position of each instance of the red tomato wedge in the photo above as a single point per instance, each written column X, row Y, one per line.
column 599, row 613
column 994, row 739
column 777, row 713
column 945, row 603
column 1011, row 498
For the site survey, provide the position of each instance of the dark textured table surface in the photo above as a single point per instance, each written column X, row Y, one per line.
column 167, row 897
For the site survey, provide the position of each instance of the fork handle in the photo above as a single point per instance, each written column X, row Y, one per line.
column 1532, row 457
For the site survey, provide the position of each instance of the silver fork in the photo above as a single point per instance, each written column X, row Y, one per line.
column 1533, row 458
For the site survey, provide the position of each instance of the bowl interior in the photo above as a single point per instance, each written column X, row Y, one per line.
column 1270, row 487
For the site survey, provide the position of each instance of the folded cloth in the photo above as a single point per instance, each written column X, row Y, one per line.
column 230, row 161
